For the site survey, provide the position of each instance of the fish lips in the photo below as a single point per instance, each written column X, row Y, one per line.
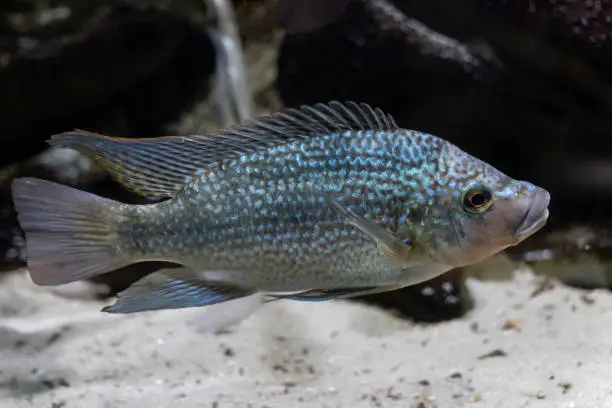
column 535, row 217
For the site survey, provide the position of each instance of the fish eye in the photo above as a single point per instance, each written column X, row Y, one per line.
column 477, row 200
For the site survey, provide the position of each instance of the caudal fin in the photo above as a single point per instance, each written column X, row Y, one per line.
column 70, row 234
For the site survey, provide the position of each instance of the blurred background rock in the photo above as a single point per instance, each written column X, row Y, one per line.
column 524, row 85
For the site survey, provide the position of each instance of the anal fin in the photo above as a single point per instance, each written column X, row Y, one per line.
column 172, row 289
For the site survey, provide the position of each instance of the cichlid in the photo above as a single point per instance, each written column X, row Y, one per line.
column 325, row 201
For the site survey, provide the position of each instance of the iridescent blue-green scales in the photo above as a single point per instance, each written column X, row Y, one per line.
column 266, row 212
column 265, row 208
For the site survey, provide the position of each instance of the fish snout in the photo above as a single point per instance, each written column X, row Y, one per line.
column 535, row 216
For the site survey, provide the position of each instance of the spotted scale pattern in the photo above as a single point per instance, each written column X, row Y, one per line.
column 263, row 218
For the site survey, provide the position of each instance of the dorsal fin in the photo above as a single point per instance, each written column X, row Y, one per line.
column 159, row 167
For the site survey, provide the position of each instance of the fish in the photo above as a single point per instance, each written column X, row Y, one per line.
column 311, row 203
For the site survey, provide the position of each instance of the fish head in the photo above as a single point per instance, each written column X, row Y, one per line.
column 480, row 210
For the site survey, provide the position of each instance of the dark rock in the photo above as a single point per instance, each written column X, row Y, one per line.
column 376, row 54
column 131, row 71
column 583, row 26
column 439, row 299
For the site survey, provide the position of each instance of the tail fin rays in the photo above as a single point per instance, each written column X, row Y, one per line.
column 70, row 234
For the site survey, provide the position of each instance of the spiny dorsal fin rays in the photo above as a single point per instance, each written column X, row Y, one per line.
column 142, row 165
column 159, row 167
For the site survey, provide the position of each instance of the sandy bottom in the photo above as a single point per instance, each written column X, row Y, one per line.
column 525, row 344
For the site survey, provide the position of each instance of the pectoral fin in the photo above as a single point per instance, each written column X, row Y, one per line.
column 172, row 289
column 394, row 251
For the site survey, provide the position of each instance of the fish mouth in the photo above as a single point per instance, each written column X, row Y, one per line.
column 536, row 215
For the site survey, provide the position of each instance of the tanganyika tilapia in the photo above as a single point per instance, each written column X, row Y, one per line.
column 325, row 201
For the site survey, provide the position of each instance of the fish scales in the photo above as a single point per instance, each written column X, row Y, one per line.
column 274, row 224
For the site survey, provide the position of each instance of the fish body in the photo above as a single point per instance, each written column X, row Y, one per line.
column 326, row 201
column 265, row 219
